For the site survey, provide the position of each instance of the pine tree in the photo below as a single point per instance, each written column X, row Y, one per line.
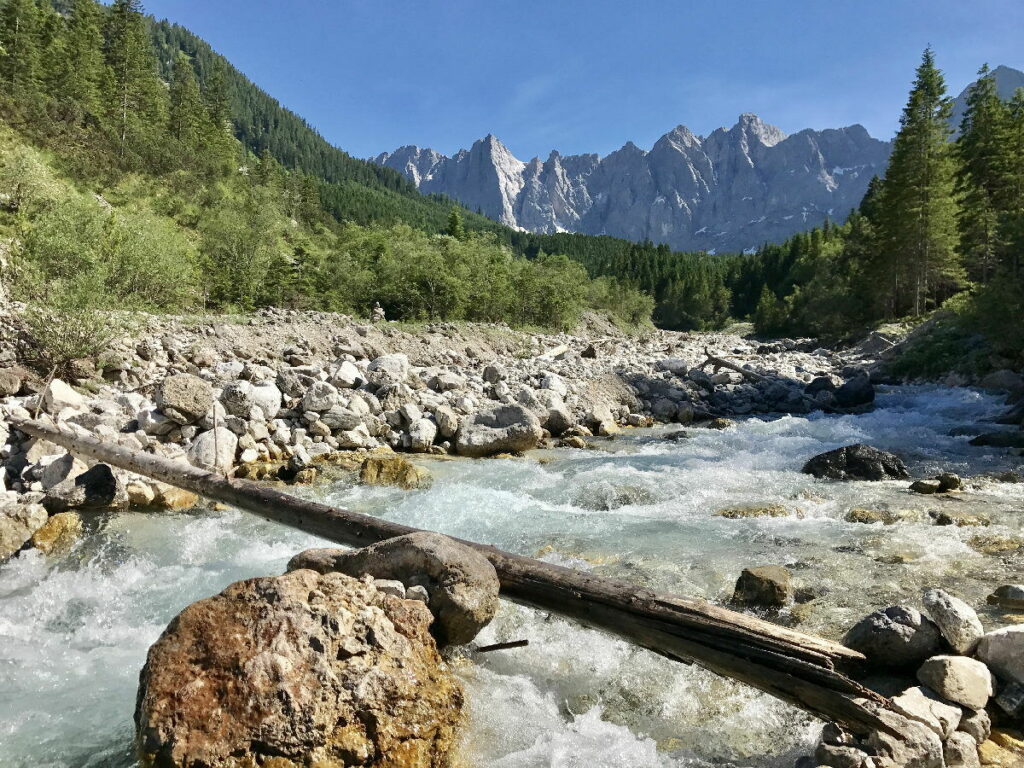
column 80, row 74
column 981, row 176
column 455, row 227
column 1011, row 215
column 187, row 112
column 918, row 216
column 19, row 52
column 135, row 100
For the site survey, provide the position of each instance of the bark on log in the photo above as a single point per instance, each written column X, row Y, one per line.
column 719, row 362
column 801, row 669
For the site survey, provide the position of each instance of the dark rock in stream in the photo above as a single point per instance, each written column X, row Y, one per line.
column 897, row 637
column 768, row 587
column 857, row 462
column 1009, row 439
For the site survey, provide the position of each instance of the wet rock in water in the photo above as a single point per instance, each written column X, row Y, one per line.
column 895, row 637
column 768, row 586
column 923, row 705
column 856, row 392
column 991, row 544
column 462, row 583
column 716, row 423
column 96, row 488
column 170, row 497
column 58, row 533
column 393, row 470
column 184, row 398
column 870, row 516
column 949, row 481
column 857, row 462
column 926, row 486
column 604, row 497
column 505, row 429
column 958, row 623
column 753, row 510
column 1009, row 439
column 958, row 679
column 1008, row 596
column 1003, row 651
column 17, row 524
column 959, row 519
column 304, row 669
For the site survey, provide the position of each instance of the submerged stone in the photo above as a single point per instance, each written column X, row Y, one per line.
column 857, row 462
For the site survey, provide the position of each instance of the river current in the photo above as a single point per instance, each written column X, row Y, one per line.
column 74, row 629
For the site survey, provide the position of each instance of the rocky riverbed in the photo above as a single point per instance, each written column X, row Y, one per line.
column 685, row 506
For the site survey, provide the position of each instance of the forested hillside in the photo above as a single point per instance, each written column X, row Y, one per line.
column 120, row 190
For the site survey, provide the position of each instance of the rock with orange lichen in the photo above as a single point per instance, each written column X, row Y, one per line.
column 300, row 670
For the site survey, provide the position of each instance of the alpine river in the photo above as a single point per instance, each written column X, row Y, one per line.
column 74, row 630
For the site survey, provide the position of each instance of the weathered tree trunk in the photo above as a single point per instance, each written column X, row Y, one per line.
column 801, row 669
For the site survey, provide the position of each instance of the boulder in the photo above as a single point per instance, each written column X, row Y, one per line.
column 10, row 381
column 978, row 725
column 303, row 669
column 1004, row 380
column 958, row 679
column 767, row 587
column 96, row 488
column 856, row 392
column 558, row 419
column 462, row 584
column 214, row 450
column 57, row 533
column 59, row 395
column 63, row 468
column 389, row 369
column 1008, row 596
column 340, row 418
column 957, row 621
column 906, row 743
column 923, row 705
column 393, row 470
column 421, row 435
column 184, row 398
column 1008, row 439
column 1003, row 651
column 447, row 421
column 857, row 462
column 926, row 487
column 17, row 524
column 897, row 636
column 320, row 397
column 960, row 751
column 505, row 429
column 346, row 376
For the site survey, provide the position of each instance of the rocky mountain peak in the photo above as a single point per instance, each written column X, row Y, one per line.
column 731, row 191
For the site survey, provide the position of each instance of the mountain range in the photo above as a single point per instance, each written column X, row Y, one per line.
column 729, row 191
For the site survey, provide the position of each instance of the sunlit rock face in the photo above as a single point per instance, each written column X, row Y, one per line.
column 729, row 191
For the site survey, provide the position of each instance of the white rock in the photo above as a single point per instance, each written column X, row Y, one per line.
column 922, row 705
column 555, row 383
column 152, row 422
column 60, row 395
column 389, row 368
column 347, row 376
column 958, row 679
column 960, row 751
column 421, row 435
column 267, row 397
column 320, row 397
column 957, row 621
column 447, row 421
column 1003, row 651
column 214, row 450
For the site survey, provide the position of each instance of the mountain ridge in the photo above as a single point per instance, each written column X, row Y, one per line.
column 722, row 192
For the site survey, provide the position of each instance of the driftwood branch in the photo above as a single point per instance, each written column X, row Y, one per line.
column 503, row 646
column 720, row 362
column 798, row 668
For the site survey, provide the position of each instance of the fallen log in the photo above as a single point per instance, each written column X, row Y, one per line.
column 721, row 362
column 801, row 669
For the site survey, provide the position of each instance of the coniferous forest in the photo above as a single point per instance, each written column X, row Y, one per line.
column 139, row 169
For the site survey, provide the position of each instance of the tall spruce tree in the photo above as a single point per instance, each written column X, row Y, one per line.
column 982, row 175
column 136, row 99
column 80, row 73
column 188, row 116
column 1011, row 215
column 919, row 260
column 19, row 53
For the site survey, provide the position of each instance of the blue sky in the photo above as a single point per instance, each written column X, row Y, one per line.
column 372, row 75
